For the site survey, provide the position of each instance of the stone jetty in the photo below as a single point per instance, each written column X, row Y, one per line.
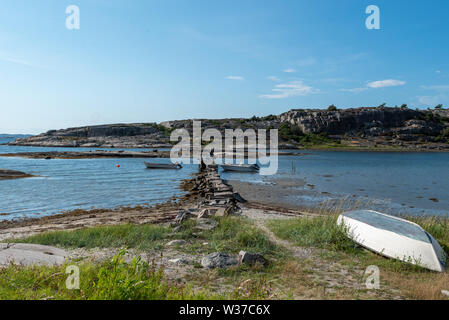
column 218, row 197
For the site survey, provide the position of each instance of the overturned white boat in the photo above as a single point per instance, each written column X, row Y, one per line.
column 163, row 165
column 394, row 238
column 241, row 167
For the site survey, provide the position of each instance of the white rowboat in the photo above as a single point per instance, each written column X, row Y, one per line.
column 394, row 238
column 241, row 167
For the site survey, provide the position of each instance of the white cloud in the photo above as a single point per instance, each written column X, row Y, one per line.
column 289, row 70
column 273, row 78
column 354, row 90
column 238, row 78
column 438, row 71
column 386, row 83
column 376, row 85
column 291, row 89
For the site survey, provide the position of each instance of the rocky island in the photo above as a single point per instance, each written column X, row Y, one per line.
column 360, row 128
column 12, row 174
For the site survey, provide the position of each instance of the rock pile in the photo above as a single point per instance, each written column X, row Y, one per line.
column 216, row 198
column 219, row 199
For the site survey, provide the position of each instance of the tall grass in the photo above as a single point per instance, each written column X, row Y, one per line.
column 132, row 236
column 112, row 280
column 319, row 232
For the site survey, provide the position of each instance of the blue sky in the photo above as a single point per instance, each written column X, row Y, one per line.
column 146, row 61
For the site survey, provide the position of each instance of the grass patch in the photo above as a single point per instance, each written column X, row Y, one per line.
column 324, row 233
column 231, row 235
column 111, row 280
column 132, row 236
column 321, row 232
column 235, row 234
column 116, row 279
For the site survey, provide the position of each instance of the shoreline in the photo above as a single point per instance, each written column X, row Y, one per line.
column 316, row 271
column 378, row 150
column 49, row 155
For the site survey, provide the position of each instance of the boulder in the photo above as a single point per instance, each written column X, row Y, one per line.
column 30, row 254
column 218, row 260
column 252, row 258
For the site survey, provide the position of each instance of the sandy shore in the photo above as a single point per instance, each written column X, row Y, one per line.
column 278, row 193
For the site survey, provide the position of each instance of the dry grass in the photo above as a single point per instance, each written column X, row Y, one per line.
column 424, row 286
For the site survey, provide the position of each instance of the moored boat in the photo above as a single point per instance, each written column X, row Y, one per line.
column 163, row 165
column 395, row 238
column 241, row 167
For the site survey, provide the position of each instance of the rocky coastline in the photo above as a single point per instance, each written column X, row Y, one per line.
column 88, row 154
column 369, row 128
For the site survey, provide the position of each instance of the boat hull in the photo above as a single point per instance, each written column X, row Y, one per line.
column 240, row 168
column 394, row 238
column 162, row 166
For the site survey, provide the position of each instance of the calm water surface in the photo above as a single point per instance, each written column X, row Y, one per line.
column 83, row 184
column 392, row 182
column 402, row 183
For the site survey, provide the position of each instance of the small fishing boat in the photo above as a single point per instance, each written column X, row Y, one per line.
column 163, row 165
column 241, row 167
column 394, row 238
